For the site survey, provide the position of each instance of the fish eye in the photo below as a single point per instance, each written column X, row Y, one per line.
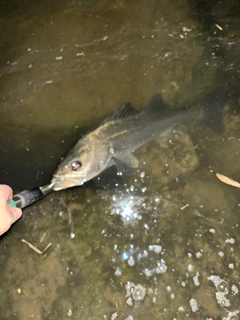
column 76, row 165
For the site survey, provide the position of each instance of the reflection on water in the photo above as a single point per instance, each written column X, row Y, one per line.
column 129, row 204
column 161, row 243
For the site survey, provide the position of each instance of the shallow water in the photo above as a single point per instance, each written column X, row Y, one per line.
column 161, row 243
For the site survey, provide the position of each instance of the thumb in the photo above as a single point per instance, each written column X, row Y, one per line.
column 14, row 214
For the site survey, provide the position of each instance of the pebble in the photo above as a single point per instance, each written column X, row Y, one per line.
column 193, row 305
column 69, row 313
column 129, row 301
column 190, row 268
column 212, row 230
column 196, row 280
column 230, row 240
column 114, row 316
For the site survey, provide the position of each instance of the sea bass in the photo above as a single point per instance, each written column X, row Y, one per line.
column 118, row 136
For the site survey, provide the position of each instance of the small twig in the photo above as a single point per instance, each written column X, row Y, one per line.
column 47, row 246
column 43, row 237
column 184, row 207
column 219, row 27
column 36, row 249
column 25, row 293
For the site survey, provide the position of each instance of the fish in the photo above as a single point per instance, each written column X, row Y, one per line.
column 115, row 139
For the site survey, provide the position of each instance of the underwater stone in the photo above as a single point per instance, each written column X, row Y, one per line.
column 193, row 305
column 129, row 301
column 114, row 316
column 222, row 300
column 69, row 313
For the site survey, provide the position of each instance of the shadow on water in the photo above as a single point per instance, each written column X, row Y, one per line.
column 161, row 243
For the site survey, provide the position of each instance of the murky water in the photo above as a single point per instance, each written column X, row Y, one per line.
column 161, row 243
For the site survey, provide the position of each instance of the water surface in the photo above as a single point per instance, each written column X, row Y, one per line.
column 161, row 243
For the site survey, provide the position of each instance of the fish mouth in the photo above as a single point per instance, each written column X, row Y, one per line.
column 61, row 183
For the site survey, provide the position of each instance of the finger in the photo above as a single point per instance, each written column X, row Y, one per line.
column 6, row 192
column 14, row 214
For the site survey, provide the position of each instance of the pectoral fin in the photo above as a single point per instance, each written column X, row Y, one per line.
column 127, row 161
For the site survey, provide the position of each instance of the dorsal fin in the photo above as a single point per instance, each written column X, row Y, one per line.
column 124, row 111
column 156, row 104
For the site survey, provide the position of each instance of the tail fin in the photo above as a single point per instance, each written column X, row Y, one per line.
column 213, row 106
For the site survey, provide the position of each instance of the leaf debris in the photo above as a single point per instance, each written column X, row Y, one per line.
column 227, row 180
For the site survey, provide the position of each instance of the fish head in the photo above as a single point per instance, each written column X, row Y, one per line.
column 80, row 165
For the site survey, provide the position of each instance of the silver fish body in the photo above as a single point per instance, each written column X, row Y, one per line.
column 114, row 141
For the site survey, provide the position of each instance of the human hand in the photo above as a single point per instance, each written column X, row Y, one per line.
column 8, row 215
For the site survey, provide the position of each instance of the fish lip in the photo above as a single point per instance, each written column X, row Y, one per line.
column 61, row 183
